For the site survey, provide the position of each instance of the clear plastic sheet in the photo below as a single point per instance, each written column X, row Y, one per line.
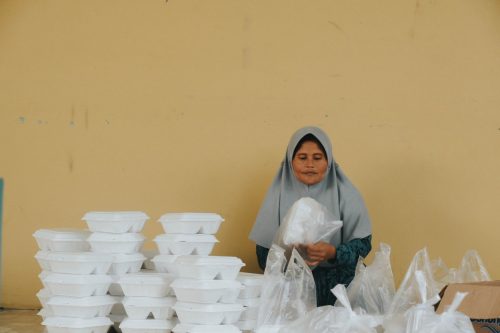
column 472, row 268
column 287, row 294
column 307, row 221
column 422, row 314
column 409, row 293
column 372, row 288
column 329, row 319
column 450, row 321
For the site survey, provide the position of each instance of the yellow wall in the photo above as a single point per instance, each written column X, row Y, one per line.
column 187, row 105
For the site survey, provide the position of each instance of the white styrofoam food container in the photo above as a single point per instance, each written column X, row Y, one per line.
column 253, row 284
column 147, row 325
column 41, row 258
column 142, row 307
column 206, row 291
column 208, row 267
column 146, row 284
column 191, row 328
column 251, row 308
column 191, row 223
column 77, row 262
column 115, row 222
column 184, row 244
column 77, row 285
column 116, row 243
column 126, row 263
column 165, row 263
column 43, row 296
column 81, row 307
column 77, row 325
column 62, row 240
column 208, row 314
column 42, row 276
column 246, row 325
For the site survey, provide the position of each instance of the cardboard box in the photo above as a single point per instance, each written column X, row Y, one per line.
column 482, row 304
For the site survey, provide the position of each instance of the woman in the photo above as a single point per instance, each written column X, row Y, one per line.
column 309, row 170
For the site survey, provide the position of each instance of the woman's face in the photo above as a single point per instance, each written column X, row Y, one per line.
column 309, row 163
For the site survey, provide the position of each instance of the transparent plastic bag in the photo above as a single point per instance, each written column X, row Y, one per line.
column 307, row 221
column 423, row 314
column 329, row 319
column 409, row 294
column 472, row 268
column 450, row 321
column 372, row 288
column 288, row 291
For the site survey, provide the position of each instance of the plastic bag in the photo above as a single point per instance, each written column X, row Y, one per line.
column 409, row 294
column 329, row 319
column 421, row 315
column 287, row 294
column 450, row 321
column 307, row 221
column 472, row 268
column 372, row 288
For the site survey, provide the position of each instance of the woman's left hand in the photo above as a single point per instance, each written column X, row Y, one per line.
column 318, row 252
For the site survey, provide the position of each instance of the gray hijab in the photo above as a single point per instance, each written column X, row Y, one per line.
column 335, row 192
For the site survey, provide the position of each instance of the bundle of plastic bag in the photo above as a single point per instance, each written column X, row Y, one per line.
column 372, row 288
column 409, row 293
column 450, row 321
column 288, row 291
column 423, row 314
column 338, row 319
column 307, row 221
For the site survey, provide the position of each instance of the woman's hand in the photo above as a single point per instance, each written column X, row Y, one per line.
column 318, row 252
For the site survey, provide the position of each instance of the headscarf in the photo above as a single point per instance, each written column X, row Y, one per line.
column 335, row 191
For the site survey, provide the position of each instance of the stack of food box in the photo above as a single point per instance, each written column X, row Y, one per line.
column 75, row 282
column 249, row 297
column 142, row 297
column 205, row 286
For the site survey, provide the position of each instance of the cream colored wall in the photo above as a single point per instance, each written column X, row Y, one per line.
column 187, row 105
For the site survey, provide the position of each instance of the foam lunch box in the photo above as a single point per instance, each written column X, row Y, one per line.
column 251, row 308
column 208, row 267
column 114, row 288
column 184, row 244
column 253, row 284
column 126, row 263
column 208, row 314
column 147, row 326
column 146, row 284
column 143, row 307
column 82, row 307
column 77, row 325
column 76, row 262
column 116, row 243
column 165, row 263
column 62, row 240
column 77, row 285
column 43, row 296
column 190, row 328
column 115, row 222
column 191, row 223
column 206, row 291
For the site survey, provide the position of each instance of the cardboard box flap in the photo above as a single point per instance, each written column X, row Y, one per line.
column 482, row 301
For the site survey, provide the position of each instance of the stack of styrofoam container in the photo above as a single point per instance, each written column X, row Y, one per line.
column 206, row 286
column 118, row 234
column 74, row 298
column 249, row 297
